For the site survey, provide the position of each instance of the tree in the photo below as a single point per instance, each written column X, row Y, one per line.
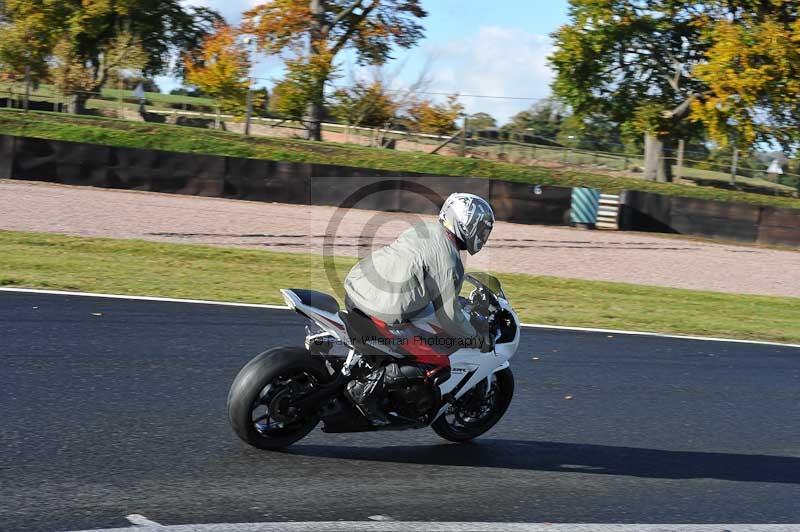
column 653, row 66
column 316, row 31
column 27, row 37
column 364, row 104
column 81, row 36
column 479, row 121
column 221, row 70
column 78, row 78
column 543, row 119
column 297, row 91
column 436, row 119
column 627, row 60
column 753, row 76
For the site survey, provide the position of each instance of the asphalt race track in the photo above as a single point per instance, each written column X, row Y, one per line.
column 113, row 407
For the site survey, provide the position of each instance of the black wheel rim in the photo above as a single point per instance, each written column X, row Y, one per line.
column 475, row 409
column 270, row 414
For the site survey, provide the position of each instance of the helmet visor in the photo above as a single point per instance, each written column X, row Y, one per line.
column 481, row 236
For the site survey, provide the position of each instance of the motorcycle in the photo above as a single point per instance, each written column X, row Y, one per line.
column 413, row 373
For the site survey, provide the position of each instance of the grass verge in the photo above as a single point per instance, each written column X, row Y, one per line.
column 59, row 262
column 194, row 140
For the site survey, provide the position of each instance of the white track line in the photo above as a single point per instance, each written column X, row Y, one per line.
column 142, row 521
column 421, row 526
column 142, row 298
column 283, row 307
column 657, row 335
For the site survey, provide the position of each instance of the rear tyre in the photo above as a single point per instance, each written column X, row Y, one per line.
column 259, row 396
column 478, row 410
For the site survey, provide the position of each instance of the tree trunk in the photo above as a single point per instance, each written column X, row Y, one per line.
column 314, row 121
column 656, row 166
column 314, row 118
column 77, row 105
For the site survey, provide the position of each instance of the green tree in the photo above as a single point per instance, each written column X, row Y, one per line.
column 479, row 121
column 543, row 119
column 297, row 91
column 316, row 31
column 78, row 78
column 89, row 39
column 672, row 69
column 364, row 104
column 27, row 37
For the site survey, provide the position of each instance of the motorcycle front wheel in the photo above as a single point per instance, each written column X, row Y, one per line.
column 259, row 400
column 478, row 410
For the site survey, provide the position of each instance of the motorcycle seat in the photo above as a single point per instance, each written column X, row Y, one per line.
column 315, row 299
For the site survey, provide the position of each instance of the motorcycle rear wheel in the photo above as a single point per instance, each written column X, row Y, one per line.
column 460, row 424
column 258, row 399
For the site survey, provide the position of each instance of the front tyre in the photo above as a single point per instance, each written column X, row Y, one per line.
column 478, row 410
column 259, row 399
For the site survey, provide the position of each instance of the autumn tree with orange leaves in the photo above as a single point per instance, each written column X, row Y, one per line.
column 221, row 69
column 316, row 31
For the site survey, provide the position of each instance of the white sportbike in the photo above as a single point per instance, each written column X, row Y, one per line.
column 355, row 367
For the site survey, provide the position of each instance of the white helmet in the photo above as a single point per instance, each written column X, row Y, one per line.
column 469, row 217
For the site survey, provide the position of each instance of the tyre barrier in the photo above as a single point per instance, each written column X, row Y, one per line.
column 75, row 163
column 742, row 222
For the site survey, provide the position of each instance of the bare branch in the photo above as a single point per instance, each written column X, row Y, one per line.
column 681, row 109
column 343, row 13
column 353, row 27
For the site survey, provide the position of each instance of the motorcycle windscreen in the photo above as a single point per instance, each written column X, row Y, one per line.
column 490, row 282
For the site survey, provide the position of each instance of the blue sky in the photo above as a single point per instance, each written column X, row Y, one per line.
column 472, row 47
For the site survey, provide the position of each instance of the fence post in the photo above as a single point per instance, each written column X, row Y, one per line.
column 463, row 147
column 679, row 166
column 27, row 86
column 734, row 164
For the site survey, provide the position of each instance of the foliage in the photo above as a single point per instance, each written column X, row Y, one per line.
column 371, row 28
column 221, row 70
column 302, row 85
column 543, row 119
column 71, row 74
column 593, row 132
column 27, row 37
column 479, row 121
column 435, row 118
column 731, row 66
column 131, row 82
column 753, row 76
column 89, row 39
column 364, row 104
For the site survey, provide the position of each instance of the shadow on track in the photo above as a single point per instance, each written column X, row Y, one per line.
column 576, row 458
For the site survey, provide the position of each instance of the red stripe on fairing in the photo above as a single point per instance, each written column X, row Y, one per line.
column 419, row 350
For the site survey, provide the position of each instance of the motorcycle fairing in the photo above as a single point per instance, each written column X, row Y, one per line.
column 317, row 306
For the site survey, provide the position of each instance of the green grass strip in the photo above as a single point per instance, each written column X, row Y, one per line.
column 135, row 267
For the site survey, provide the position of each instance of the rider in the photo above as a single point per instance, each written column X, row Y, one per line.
column 423, row 266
